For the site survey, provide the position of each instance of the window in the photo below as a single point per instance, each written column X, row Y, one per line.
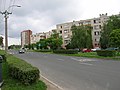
column 94, row 21
column 61, row 32
column 96, row 39
column 100, row 26
column 97, row 33
column 95, row 44
column 60, row 26
column 94, row 33
column 65, row 31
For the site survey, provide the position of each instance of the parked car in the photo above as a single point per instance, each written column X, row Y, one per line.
column 21, row 51
column 111, row 48
column 94, row 49
column 86, row 50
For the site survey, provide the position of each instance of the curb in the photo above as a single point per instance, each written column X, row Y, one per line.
column 52, row 83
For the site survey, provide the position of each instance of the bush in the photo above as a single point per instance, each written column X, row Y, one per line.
column 22, row 71
column 44, row 50
column 2, row 53
column 4, row 57
column 105, row 53
column 65, row 51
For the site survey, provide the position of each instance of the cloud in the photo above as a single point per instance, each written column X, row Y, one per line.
column 43, row 15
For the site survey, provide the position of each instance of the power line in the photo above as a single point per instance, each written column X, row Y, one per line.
column 4, row 4
column 10, row 3
column 0, row 5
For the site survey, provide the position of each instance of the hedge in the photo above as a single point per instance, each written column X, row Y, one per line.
column 43, row 50
column 24, row 72
column 65, row 51
column 2, row 53
column 105, row 53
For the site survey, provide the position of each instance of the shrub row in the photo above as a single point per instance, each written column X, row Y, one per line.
column 2, row 53
column 22, row 71
column 44, row 50
column 105, row 53
column 65, row 51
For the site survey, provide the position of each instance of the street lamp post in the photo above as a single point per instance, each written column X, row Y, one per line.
column 6, row 13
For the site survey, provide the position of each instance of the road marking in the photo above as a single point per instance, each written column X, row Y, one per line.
column 86, row 60
column 74, row 59
column 51, row 82
column 83, row 60
column 60, row 59
column 87, row 64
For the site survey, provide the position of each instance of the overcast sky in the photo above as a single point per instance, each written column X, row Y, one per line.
column 43, row 15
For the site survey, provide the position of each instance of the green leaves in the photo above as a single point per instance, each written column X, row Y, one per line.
column 22, row 71
column 112, row 24
column 81, row 37
column 115, row 38
column 1, row 40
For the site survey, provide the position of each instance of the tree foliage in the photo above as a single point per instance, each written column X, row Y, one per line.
column 112, row 24
column 54, row 42
column 81, row 37
column 115, row 38
column 1, row 41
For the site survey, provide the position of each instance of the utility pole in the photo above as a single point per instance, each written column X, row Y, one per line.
column 6, row 13
column 6, row 16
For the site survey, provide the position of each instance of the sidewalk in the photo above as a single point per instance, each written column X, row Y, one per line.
column 50, row 85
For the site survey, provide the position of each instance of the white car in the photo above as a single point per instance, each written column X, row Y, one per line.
column 21, row 51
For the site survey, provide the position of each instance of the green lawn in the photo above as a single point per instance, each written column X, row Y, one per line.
column 88, row 55
column 12, row 84
column 93, row 55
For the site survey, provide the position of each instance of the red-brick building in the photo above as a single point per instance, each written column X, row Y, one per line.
column 25, row 37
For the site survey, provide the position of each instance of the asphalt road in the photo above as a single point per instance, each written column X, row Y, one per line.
column 76, row 73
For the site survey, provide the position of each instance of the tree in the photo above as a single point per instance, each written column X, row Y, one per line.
column 42, row 44
column 55, row 41
column 81, row 37
column 1, row 41
column 115, row 38
column 112, row 24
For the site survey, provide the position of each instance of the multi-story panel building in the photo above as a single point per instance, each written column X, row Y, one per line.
column 64, row 29
column 37, row 37
column 25, row 37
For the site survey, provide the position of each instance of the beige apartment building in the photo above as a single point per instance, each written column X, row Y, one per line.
column 65, row 32
column 38, row 36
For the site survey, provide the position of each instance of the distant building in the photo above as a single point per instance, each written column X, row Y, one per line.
column 25, row 37
column 65, row 32
column 37, row 37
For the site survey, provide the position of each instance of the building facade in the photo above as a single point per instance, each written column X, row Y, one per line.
column 65, row 32
column 36, row 37
column 25, row 37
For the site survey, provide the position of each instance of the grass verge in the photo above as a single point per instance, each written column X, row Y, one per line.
column 88, row 55
column 13, row 84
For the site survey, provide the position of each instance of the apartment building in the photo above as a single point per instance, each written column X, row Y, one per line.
column 36, row 37
column 25, row 37
column 65, row 32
